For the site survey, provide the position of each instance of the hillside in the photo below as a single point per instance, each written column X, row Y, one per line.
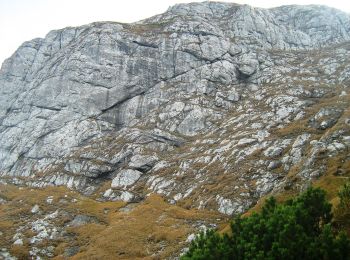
column 155, row 130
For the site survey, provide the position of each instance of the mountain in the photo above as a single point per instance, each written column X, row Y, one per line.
column 210, row 105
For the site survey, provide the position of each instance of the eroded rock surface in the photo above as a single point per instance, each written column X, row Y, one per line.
column 220, row 103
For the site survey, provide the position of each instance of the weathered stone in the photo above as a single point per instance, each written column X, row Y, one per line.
column 229, row 207
column 44, row 228
column 245, row 141
column 335, row 146
column 225, row 206
column 277, row 148
column 35, row 209
column 80, row 220
column 142, row 163
column 301, row 140
column 190, row 238
column 273, row 165
column 273, row 151
column 208, row 88
column 18, row 242
column 71, row 251
column 109, row 194
column 193, row 123
column 326, row 118
column 125, row 178
column 125, row 196
column 248, row 65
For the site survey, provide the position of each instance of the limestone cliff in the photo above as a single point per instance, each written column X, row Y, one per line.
column 214, row 103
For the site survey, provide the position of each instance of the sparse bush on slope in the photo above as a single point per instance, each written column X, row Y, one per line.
column 344, row 195
column 297, row 229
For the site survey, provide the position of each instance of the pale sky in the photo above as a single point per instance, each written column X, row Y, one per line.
column 22, row 20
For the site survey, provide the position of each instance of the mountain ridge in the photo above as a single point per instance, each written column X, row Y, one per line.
column 210, row 105
column 234, row 63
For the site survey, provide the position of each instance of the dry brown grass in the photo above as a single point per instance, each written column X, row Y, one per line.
column 139, row 233
column 331, row 181
column 154, row 229
column 21, row 252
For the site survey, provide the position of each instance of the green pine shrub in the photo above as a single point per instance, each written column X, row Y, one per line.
column 297, row 229
column 344, row 196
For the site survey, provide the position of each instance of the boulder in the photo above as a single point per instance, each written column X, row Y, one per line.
column 142, row 163
column 125, row 178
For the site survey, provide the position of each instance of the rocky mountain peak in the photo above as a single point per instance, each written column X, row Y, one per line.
column 210, row 105
column 178, row 104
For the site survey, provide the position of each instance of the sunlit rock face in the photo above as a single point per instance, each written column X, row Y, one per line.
column 190, row 103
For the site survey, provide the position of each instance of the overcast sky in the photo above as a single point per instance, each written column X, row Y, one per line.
column 22, row 20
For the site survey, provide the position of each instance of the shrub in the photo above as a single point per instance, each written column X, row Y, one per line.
column 344, row 195
column 298, row 229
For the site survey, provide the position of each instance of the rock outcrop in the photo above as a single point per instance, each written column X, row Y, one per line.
column 221, row 103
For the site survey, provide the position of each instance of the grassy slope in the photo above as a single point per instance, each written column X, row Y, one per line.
column 152, row 229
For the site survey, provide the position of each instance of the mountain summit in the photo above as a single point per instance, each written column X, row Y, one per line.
column 212, row 105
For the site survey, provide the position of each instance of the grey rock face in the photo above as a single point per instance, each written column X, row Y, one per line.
column 125, row 178
column 142, row 163
column 248, row 65
column 277, row 149
column 173, row 101
column 326, row 117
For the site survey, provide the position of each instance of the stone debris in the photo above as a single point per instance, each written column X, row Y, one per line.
column 35, row 209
